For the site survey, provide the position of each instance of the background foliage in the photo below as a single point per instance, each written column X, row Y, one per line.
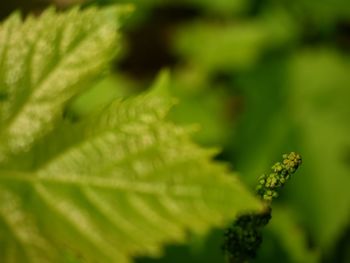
column 261, row 77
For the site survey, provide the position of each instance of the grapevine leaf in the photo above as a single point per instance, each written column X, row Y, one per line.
column 44, row 63
column 120, row 182
column 133, row 183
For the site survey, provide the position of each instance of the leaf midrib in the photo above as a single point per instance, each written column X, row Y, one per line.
column 138, row 186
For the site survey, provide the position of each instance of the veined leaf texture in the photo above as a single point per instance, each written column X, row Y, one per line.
column 120, row 183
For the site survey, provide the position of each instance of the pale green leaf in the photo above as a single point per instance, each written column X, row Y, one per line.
column 44, row 63
column 119, row 183
column 131, row 184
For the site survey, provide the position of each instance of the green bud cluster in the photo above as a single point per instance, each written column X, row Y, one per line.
column 243, row 238
column 268, row 184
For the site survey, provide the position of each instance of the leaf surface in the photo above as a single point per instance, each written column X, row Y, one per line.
column 120, row 183
column 44, row 63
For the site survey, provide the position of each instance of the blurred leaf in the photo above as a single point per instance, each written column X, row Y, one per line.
column 323, row 13
column 320, row 91
column 239, row 45
column 223, row 7
column 291, row 236
column 103, row 92
column 209, row 251
column 201, row 104
column 263, row 127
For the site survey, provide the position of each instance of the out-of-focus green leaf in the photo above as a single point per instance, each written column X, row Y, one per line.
column 263, row 127
column 202, row 104
column 320, row 108
column 284, row 225
column 323, row 13
column 105, row 90
column 223, row 7
column 238, row 45
column 207, row 251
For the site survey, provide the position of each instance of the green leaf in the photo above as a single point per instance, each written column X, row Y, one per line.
column 44, row 63
column 222, row 7
column 321, row 91
column 234, row 46
column 322, row 14
column 291, row 237
column 134, row 183
column 119, row 183
column 204, row 103
column 103, row 92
